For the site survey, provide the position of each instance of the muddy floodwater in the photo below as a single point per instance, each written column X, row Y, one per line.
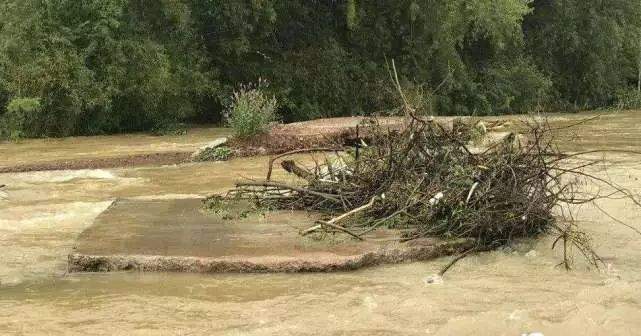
column 508, row 292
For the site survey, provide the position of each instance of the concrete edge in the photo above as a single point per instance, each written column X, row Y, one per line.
column 318, row 262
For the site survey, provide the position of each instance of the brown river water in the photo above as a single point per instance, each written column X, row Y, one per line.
column 507, row 292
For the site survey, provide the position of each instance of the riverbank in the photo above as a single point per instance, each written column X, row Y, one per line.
column 109, row 151
column 141, row 150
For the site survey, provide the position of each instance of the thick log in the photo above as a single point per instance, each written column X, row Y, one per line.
column 291, row 167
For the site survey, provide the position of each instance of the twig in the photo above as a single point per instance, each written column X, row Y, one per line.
column 469, row 195
column 616, row 220
column 311, row 229
column 565, row 156
column 359, row 209
column 455, row 260
column 580, row 122
column 376, row 224
column 340, row 228
column 332, row 221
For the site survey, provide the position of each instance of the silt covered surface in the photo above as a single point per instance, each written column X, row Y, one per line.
column 179, row 236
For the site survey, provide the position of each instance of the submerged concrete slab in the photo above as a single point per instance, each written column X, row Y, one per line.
column 177, row 236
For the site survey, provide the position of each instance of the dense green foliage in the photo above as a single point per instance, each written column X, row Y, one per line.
column 99, row 66
column 591, row 49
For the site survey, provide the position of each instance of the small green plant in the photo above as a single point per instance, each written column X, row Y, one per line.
column 478, row 132
column 225, row 209
column 419, row 97
column 214, row 154
column 233, row 209
column 251, row 110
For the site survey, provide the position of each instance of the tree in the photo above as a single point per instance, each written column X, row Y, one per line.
column 101, row 66
column 581, row 45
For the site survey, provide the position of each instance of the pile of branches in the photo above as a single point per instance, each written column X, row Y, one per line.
column 428, row 181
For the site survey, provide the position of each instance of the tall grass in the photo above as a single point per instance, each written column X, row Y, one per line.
column 251, row 110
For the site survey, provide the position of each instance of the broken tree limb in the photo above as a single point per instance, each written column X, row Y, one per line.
column 311, row 229
column 457, row 259
column 359, row 209
column 298, row 151
column 294, row 188
column 291, row 167
column 334, row 220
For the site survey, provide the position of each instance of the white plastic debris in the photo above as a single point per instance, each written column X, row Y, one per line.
column 434, row 279
column 516, row 315
column 469, row 195
column 436, row 199
column 531, row 254
column 533, row 334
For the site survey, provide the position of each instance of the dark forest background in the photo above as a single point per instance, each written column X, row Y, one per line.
column 70, row 67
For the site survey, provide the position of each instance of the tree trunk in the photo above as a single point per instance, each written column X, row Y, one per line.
column 639, row 67
column 639, row 70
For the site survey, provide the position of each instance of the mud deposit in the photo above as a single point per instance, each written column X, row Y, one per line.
column 178, row 236
column 506, row 292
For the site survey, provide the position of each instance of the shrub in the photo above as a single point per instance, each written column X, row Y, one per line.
column 251, row 110
column 169, row 129
column 20, row 114
column 214, row 154
column 630, row 99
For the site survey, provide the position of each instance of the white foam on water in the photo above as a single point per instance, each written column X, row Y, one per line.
column 60, row 216
column 59, row 176
column 166, row 197
column 35, row 240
